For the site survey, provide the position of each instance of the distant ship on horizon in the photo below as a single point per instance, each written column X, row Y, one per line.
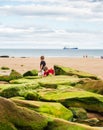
column 70, row 48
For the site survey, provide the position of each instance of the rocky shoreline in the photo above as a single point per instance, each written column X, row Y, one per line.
column 70, row 100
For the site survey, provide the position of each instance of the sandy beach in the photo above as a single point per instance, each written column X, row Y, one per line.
column 91, row 65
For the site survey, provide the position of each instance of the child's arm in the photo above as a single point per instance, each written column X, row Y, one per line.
column 41, row 66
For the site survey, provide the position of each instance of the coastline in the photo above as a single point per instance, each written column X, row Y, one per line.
column 23, row 64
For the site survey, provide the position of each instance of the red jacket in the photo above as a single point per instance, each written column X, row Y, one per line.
column 49, row 71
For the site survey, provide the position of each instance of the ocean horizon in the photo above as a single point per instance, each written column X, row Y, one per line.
column 52, row 52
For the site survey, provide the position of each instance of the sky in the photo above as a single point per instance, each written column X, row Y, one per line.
column 51, row 24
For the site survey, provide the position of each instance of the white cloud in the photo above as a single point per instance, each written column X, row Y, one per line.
column 65, row 9
column 46, row 37
column 16, row 33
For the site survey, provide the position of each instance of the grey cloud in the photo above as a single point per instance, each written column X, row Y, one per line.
column 95, row 0
column 49, row 36
column 23, row 32
column 59, row 11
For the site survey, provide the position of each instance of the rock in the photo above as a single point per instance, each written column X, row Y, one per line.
column 31, row 73
column 53, row 103
column 4, row 56
column 46, row 108
column 91, row 122
column 12, row 90
column 60, row 70
column 32, row 95
column 87, row 100
column 60, row 124
column 5, row 78
column 13, row 117
column 79, row 113
column 13, row 75
column 49, row 82
column 95, row 86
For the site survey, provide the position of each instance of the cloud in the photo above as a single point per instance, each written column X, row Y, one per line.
column 51, row 23
column 81, row 9
column 43, row 37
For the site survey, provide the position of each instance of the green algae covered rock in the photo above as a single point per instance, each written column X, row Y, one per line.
column 60, row 124
column 49, row 82
column 69, row 98
column 13, row 117
column 12, row 90
column 55, row 81
column 95, row 86
column 5, row 68
column 4, row 78
column 31, row 95
column 6, row 126
column 31, row 73
column 13, row 75
column 91, row 121
column 46, row 108
column 60, row 70
column 22, row 81
column 79, row 113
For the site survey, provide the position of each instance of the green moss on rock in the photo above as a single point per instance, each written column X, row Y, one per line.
column 95, row 86
column 11, row 90
column 5, row 68
column 47, row 108
column 32, row 95
column 13, row 75
column 55, row 81
column 86, row 100
column 6, row 126
column 20, row 118
column 60, row 70
column 79, row 113
column 59, row 124
column 31, row 73
column 4, row 78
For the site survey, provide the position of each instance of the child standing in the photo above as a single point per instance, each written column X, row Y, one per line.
column 42, row 65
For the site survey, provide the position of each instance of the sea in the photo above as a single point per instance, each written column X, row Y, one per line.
column 52, row 52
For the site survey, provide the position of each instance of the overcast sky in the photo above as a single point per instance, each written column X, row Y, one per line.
column 51, row 23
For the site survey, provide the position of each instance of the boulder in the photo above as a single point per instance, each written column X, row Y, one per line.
column 13, row 75
column 12, row 90
column 79, row 113
column 31, row 73
column 95, row 86
column 31, row 95
column 13, row 117
column 60, row 70
column 46, row 108
column 47, row 82
column 60, row 124
column 91, row 122
column 4, row 56
column 70, row 98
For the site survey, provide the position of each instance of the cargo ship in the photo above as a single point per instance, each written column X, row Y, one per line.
column 65, row 48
